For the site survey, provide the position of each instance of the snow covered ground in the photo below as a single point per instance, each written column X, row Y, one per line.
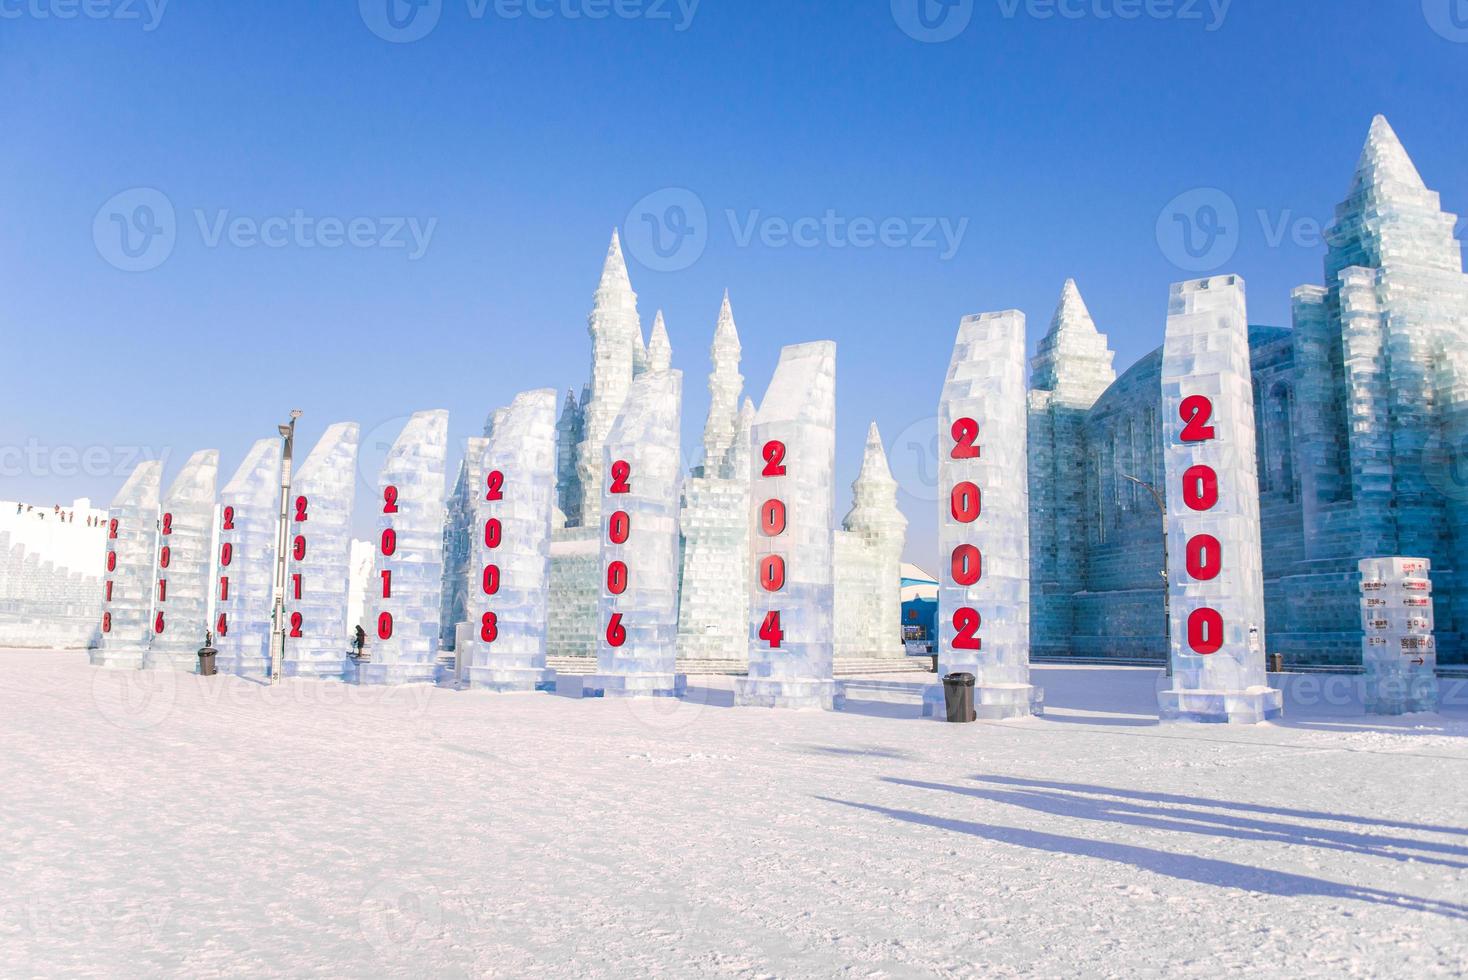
column 159, row 823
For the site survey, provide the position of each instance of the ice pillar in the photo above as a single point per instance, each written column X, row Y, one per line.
column 318, row 581
column 185, row 566
column 127, row 589
column 983, row 520
column 244, row 581
column 792, row 506
column 407, row 580
column 1398, row 649
column 637, row 637
column 510, row 549
column 1215, row 574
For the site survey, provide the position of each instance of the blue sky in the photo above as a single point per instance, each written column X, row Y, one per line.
column 1054, row 142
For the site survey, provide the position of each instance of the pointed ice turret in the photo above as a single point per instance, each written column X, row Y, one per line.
column 1390, row 216
column 868, row 562
column 1074, row 360
column 725, row 386
column 639, row 353
column 736, row 459
column 568, row 436
column 874, row 504
column 616, row 336
column 659, row 348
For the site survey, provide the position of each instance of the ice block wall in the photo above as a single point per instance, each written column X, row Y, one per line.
column 185, row 568
column 127, row 587
column 1216, row 578
column 1398, row 649
column 515, row 496
column 637, row 640
column 792, row 513
column 244, row 580
column 983, row 519
column 407, row 580
column 318, row 581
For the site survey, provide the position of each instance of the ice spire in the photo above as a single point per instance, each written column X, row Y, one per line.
column 659, row 348
column 726, row 384
column 736, row 459
column 874, row 505
column 1384, row 161
column 616, row 336
column 1074, row 359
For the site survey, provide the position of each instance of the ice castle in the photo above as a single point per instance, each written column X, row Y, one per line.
column 1361, row 423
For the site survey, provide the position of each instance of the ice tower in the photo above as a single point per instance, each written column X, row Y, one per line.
column 244, row 576
column 185, row 567
column 792, row 513
column 868, row 562
column 405, row 589
column 983, row 520
column 504, row 646
column 127, row 590
column 318, row 582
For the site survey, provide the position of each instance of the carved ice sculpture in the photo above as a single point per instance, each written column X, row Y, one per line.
column 244, row 580
column 792, row 507
column 407, row 581
column 515, row 494
column 636, row 647
column 318, row 634
column 1398, row 649
column 185, row 568
column 983, row 520
column 127, row 590
column 869, row 562
column 1216, row 578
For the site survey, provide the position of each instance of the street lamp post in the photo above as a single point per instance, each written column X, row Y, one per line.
column 1166, row 592
column 277, row 638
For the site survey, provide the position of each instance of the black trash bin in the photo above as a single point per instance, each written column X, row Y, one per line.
column 206, row 661
column 958, row 695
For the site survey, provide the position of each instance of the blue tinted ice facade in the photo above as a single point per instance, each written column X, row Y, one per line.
column 317, row 584
column 798, row 412
column 185, row 566
column 1218, row 674
column 641, row 475
column 986, row 385
column 132, row 537
column 403, row 623
column 514, row 493
column 244, row 579
column 1398, row 649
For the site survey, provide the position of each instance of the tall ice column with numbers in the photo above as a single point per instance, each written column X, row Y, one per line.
column 793, row 516
column 244, row 581
column 407, row 575
column 509, row 597
column 983, row 520
column 1216, row 578
column 637, row 628
column 127, row 582
column 318, row 581
column 185, row 567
